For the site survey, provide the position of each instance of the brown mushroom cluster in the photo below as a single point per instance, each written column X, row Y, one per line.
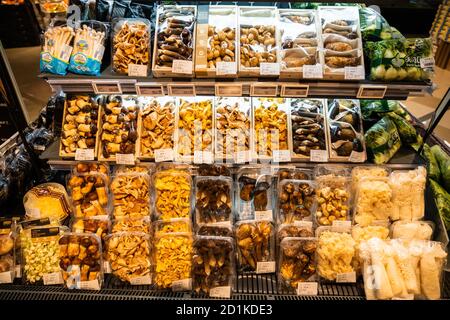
column 293, row 231
column 213, row 200
column 79, row 128
column 131, row 224
column 131, row 195
column 297, row 262
column 215, row 231
column 91, row 168
column 89, row 195
column 213, row 264
column 6, row 251
column 119, row 128
column 257, row 45
column 255, row 244
column 296, row 174
column 221, row 45
column 295, row 200
column 255, row 190
column 100, row 227
column 213, row 170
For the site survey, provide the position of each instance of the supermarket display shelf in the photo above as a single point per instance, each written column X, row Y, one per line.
column 107, row 83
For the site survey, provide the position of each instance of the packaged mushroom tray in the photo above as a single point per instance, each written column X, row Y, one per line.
column 233, row 140
column 300, row 41
column 308, row 129
column 258, row 35
column 271, row 127
column 156, row 125
column 79, row 126
column 174, row 225
column 213, row 199
column 194, row 132
column 344, row 131
column 219, row 57
column 342, row 55
column 132, row 224
column 296, row 200
column 118, row 127
column 7, row 258
column 174, row 46
column 217, row 229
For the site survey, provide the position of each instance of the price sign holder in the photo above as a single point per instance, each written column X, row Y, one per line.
column 228, row 90
column 295, row 90
column 264, row 90
column 149, row 89
column 107, row 87
column 187, row 89
column 371, row 92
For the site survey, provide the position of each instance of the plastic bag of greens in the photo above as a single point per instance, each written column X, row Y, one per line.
column 401, row 59
column 443, row 160
column 442, row 200
column 371, row 109
column 382, row 140
column 407, row 132
column 432, row 163
column 373, row 26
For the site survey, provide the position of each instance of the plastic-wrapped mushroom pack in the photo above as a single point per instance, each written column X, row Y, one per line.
column 132, row 225
column 7, row 258
column 131, row 195
column 213, row 199
column 293, row 231
column 216, row 230
column 296, row 200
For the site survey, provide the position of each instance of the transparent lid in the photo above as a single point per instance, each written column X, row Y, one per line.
column 333, row 199
column 296, row 200
column 176, row 225
column 412, row 230
column 359, row 172
column 91, row 168
column 100, row 226
column 213, row 199
column 294, row 230
column 131, row 195
column 132, row 225
column 216, row 229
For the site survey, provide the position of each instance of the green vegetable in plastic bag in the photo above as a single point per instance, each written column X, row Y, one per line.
column 372, row 108
column 407, row 132
column 442, row 200
column 443, row 160
column 382, row 140
column 432, row 163
column 373, row 26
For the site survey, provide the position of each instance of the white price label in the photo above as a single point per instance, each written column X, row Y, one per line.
column 356, row 157
column 226, row 68
column 125, row 158
column 406, row 297
column 6, row 277
column 341, row 226
column 203, row 157
column 89, row 285
column 318, row 156
column 84, row 154
column 242, row 157
column 426, row 63
column 304, row 224
column 354, row 73
column 18, row 269
column 106, row 267
column 52, row 278
column 143, row 280
column 307, row 288
column 265, row 267
column 313, row 71
column 349, row 277
column 220, row 292
column 182, row 66
column 269, row 69
column 182, row 285
column 137, row 70
column 263, row 215
column 281, row 155
column 163, row 155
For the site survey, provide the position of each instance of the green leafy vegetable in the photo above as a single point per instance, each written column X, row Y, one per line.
column 432, row 164
column 442, row 200
column 382, row 140
column 444, row 165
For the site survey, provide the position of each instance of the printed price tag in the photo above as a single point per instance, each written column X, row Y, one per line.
column 220, row 292
column 242, row 157
column 141, row 280
column 304, row 224
column 181, row 89
column 354, row 73
column 106, row 267
column 313, row 71
column 226, row 68
column 281, row 155
column 6, row 277
column 318, row 156
column 341, row 226
column 182, row 285
column 307, row 289
column 203, row 157
column 263, row 215
column 349, row 277
column 125, row 158
column 162, row 155
column 426, row 63
column 228, row 90
column 18, row 269
column 89, row 285
column 107, row 87
column 137, row 70
column 356, row 157
column 52, row 278
column 265, row 267
column 407, row 297
column 149, row 89
column 269, row 69
column 182, row 66
column 84, row 154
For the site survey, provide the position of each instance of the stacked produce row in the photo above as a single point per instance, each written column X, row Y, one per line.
column 228, row 41
column 182, row 228
column 208, row 129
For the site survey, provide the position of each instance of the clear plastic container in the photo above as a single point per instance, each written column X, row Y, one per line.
column 7, row 250
column 173, row 261
column 297, row 263
column 142, row 168
column 339, row 170
column 213, row 267
column 296, row 201
column 216, row 230
column 254, row 193
column 294, row 173
column 360, row 172
column 131, row 195
column 412, row 230
column 80, row 259
column 172, row 194
column 213, row 199
column 294, row 230
column 129, row 255
column 176, row 225
column 132, row 225
column 213, row 170
column 256, row 246
column 91, row 168
column 96, row 225
column 130, row 44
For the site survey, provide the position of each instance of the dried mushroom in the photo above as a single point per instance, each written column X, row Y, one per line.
column 6, row 251
column 91, row 168
column 131, row 225
column 213, row 170
column 295, row 201
column 195, row 125
column 129, row 255
column 254, row 242
column 158, row 123
column 89, row 195
column 173, row 191
column 172, row 226
column 293, row 174
column 213, row 264
column 213, row 200
column 131, row 195
column 293, row 231
column 255, row 190
column 332, row 197
column 100, row 227
column 215, row 230
column 221, row 45
column 79, row 128
column 131, row 45
column 258, row 45
column 173, row 259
